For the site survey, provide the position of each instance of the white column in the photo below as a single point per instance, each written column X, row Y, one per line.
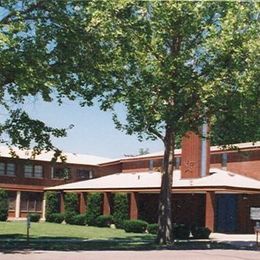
column 203, row 163
column 17, row 204
column 44, row 206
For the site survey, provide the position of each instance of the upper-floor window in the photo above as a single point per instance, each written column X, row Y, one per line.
column 33, row 171
column 84, row 174
column 7, row 169
column 61, row 173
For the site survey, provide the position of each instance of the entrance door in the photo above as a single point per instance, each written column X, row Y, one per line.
column 226, row 213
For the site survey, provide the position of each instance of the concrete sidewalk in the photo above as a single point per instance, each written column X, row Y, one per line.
column 241, row 241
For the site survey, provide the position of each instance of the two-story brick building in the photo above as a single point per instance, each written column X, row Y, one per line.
column 224, row 199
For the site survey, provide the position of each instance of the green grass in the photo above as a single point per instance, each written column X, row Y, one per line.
column 17, row 230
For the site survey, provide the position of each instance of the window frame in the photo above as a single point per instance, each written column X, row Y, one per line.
column 33, row 171
column 6, row 171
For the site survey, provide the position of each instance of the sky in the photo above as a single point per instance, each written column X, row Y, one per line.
column 93, row 132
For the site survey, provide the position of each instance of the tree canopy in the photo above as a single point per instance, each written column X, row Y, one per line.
column 173, row 65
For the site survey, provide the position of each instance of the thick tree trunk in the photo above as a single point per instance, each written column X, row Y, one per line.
column 165, row 235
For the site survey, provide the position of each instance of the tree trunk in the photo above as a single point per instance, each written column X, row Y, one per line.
column 165, row 234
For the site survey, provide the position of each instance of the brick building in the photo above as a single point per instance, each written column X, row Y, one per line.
column 222, row 198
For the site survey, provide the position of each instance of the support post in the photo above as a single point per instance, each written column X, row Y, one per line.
column 18, row 204
column 133, row 205
column 210, row 210
column 106, row 203
column 82, row 203
column 44, row 206
column 62, row 205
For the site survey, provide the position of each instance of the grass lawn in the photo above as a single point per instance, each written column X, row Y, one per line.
column 50, row 236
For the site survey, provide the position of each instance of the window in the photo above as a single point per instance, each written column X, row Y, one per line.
column 84, row 174
column 33, row 171
column 7, row 169
column 31, row 201
column 61, row 173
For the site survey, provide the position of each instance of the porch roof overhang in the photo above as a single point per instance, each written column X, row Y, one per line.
column 219, row 181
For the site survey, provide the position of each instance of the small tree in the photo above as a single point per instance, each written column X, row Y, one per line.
column 3, row 205
column 94, row 202
column 121, row 208
column 52, row 204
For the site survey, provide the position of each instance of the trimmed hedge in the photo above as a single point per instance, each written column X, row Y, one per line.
column 4, row 205
column 152, row 228
column 120, row 209
column 104, row 221
column 34, row 217
column 200, row 232
column 69, row 217
column 52, row 205
column 94, row 202
column 135, row 226
column 181, row 231
column 79, row 220
column 56, row 218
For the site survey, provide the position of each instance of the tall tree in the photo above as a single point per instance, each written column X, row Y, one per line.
column 173, row 65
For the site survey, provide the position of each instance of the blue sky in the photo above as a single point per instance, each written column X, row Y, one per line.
column 93, row 132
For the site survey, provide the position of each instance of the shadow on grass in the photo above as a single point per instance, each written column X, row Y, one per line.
column 16, row 243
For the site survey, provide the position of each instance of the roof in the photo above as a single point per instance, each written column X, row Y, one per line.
column 152, row 180
column 73, row 158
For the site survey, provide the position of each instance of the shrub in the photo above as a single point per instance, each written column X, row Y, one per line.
column 55, row 218
column 70, row 217
column 120, row 209
column 94, row 201
column 104, row 221
column 71, row 203
column 152, row 228
column 79, row 220
column 3, row 205
column 200, row 232
column 34, row 217
column 135, row 226
column 52, row 205
column 181, row 231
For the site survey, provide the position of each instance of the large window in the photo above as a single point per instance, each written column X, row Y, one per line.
column 33, row 171
column 31, row 201
column 61, row 173
column 7, row 169
column 84, row 174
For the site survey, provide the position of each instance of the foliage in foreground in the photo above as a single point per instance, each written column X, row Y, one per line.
column 3, row 205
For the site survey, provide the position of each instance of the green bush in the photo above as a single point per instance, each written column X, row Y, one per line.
column 79, row 220
column 104, row 221
column 152, row 228
column 94, row 202
column 135, row 226
column 52, row 205
column 120, row 209
column 71, row 203
column 69, row 217
column 181, row 231
column 3, row 205
column 56, row 218
column 200, row 232
column 34, row 217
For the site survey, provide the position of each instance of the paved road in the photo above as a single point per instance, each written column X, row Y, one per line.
column 134, row 255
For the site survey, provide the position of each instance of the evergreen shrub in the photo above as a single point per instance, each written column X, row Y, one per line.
column 104, row 221
column 120, row 213
column 52, row 205
column 56, row 218
column 135, row 226
column 152, row 228
column 181, row 231
column 4, row 205
column 94, row 202
column 71, row 203
column 34, row 217
column 200, row 232
column 79, row 219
